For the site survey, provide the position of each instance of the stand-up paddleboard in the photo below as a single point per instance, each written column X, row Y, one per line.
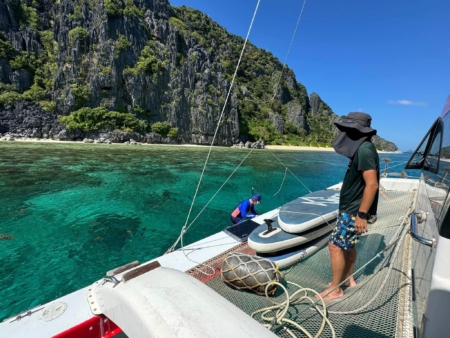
column 290, row 256
column 262, row 240
column 309, row 211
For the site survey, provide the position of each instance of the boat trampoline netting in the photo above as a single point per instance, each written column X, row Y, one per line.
column 379, row 319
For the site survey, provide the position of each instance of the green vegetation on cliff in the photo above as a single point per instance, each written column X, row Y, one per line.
column 129, row 65
column 261, row 81
column 87, row 119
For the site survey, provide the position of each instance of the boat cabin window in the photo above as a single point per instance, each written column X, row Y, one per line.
column 444, row 177
column 432, row 156
column 427, row 154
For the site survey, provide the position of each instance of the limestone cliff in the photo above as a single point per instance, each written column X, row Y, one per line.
column 143, row 69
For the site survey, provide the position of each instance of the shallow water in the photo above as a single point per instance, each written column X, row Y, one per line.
column 76, row 211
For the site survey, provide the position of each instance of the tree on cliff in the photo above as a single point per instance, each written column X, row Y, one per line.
column 154, row 61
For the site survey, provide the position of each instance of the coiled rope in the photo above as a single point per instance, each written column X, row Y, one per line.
column 398, row 238
column 282, row 308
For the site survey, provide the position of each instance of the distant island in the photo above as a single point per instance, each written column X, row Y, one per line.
column 155, row 74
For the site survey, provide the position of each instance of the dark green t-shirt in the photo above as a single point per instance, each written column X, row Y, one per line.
column 366, row 158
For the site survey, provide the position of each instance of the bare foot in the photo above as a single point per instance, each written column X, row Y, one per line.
column 338, row 293
column 348, row 284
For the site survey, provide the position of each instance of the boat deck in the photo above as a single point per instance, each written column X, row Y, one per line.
column 357, row 315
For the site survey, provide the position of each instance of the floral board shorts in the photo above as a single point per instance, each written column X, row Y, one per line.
column 344, row 235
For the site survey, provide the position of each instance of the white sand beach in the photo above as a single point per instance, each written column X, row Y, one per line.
column 42, row 140
column 299, row 148
column 269, row 147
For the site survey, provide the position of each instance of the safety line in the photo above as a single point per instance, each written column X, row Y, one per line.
column 185, row 227
column 290, row 171
column 287, row 55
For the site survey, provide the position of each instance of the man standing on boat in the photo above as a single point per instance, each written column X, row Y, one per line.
column 358, row 199
column 245, row 209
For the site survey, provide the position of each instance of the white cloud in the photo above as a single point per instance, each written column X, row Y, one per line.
column 407, row 103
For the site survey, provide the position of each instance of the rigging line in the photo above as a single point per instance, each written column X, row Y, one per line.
column 289, row 50
column 220, row 118
column 204, row 247
column 186, row 229
column 290, row 171
column 391, row 265
column 396, row 242
column 285, row 172
column 229, row 177
column 392, row 166
column 197, row 263
column 201, row 211
column 398, row 238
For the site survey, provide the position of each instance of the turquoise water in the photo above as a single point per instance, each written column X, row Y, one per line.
column 76, row 211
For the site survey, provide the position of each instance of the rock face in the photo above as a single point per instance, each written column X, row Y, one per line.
column 321, row 122
column 145, row 58
column 29, row 120
column 295, row 115
column 277, row 122
column 316, row 103
column 382, row 144
column 95, row 53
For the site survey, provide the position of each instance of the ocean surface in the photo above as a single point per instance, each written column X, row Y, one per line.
column 71, row 212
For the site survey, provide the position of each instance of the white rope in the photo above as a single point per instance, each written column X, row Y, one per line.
column 201, row 211
column 385, row 174
column 220, row 188
column 397, row 238
column 285, row 172
column 282, row 308
column 290, row 171
column 393, row 166
column 381, row 288
column 198, row 264
column 287, row 55
column 206, row 246
column 184, row 229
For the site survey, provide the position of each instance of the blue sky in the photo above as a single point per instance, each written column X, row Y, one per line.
column 390, row 59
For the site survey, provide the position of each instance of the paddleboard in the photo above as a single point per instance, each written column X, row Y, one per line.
column 290, row 256
column 261, row 241
column 309, row 211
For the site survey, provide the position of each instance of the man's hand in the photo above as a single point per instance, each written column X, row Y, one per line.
column 370, row 190
column 361, row 225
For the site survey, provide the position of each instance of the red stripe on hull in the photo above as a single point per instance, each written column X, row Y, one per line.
column 96, row 327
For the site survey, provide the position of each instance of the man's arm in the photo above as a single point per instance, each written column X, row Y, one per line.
column 371, row 181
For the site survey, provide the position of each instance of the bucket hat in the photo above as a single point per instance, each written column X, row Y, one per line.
column 358, row 121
